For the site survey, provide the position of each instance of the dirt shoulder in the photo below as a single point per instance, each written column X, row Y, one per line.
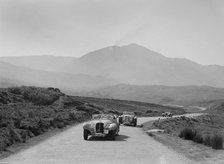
column 29, row 114
column 17, row 147
column 70, row 147
column 197, row 152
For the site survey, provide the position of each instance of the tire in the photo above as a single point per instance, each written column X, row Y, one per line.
column 113, row 135
column 120, row 120
column 85, row 134
column 135, row 122
column 117, row 131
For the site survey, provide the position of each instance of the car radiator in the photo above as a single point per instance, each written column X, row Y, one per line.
column 99, row 127
column 126, row 119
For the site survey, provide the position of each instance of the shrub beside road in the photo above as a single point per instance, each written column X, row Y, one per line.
column 200, row 129
column 213, row 140
column 196, row 137
column 26, row 112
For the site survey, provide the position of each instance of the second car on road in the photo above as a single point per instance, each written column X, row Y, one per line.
column 128, row 118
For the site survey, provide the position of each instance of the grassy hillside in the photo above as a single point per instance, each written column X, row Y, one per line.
column 30, row 111
column 182, row 95
column 206, row 129
column 26, row 112
column 141, row 108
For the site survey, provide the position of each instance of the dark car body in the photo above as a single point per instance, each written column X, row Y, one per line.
column 128, row 118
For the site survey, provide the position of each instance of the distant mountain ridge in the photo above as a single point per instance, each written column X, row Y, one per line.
column 129, row 72
column 131, row 64
column 182, row 95
column 11, row 75
column 41, row 62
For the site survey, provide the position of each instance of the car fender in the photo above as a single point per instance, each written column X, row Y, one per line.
column 112, row 126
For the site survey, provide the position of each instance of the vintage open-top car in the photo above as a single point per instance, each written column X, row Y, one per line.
column 101, row 125
column 128, row 118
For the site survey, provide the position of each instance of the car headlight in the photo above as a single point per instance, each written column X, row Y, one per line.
column 88, row 125
column 92, row 125
column 106, row 126
column 112, row 126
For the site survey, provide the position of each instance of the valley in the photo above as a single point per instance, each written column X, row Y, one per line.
column 130, row 72
column 110, row 80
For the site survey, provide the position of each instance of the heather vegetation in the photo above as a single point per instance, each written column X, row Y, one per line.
column 215, row 140
column 26, row 112
column 206, row 129
column 140, row 108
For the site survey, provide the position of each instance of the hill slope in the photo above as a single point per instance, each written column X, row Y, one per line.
column 186, row 95
column 134, row 64
column 11, row 75
column 131, row 64
column 26, row 112
column 42, row 62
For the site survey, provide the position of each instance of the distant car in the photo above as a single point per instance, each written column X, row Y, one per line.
column 167, row 114
column 101, row 125
column 128, row 118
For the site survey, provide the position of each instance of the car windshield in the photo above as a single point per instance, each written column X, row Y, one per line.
column 102, row 116
column 128, row 113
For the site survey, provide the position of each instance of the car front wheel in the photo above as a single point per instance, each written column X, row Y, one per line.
column 85, row 134
column 135, row 122
column 113, row 135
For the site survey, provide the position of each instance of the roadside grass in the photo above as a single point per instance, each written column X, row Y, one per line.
column 26, row 112
column 140, row 108
column 206, row 129
column 200, row 149
column 215, row 140
column 207, row 132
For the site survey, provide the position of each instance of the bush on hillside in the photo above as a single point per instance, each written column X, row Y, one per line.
column 187, row 134
column 114, row 112
column 68, row 101
column 37, row 95
column 207, row 140
column 217, row 142
column 20, row 121
column 41, row 96
column 198, row 138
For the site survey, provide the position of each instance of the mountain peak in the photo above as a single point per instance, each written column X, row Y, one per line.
column 134, row 45
column 132, row 50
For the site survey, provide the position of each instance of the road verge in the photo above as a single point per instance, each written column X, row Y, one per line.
column 168, row 135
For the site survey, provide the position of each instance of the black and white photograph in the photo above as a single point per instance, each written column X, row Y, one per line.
column 111, row 81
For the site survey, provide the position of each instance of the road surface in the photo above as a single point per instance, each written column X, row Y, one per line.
column 132, row 146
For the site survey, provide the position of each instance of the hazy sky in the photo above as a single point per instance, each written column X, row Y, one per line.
column 192, row 29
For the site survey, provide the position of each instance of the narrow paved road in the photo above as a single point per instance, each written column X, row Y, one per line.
column 68, row 147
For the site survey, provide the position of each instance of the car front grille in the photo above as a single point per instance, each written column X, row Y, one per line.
column 127, row 119
column 99, row 127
